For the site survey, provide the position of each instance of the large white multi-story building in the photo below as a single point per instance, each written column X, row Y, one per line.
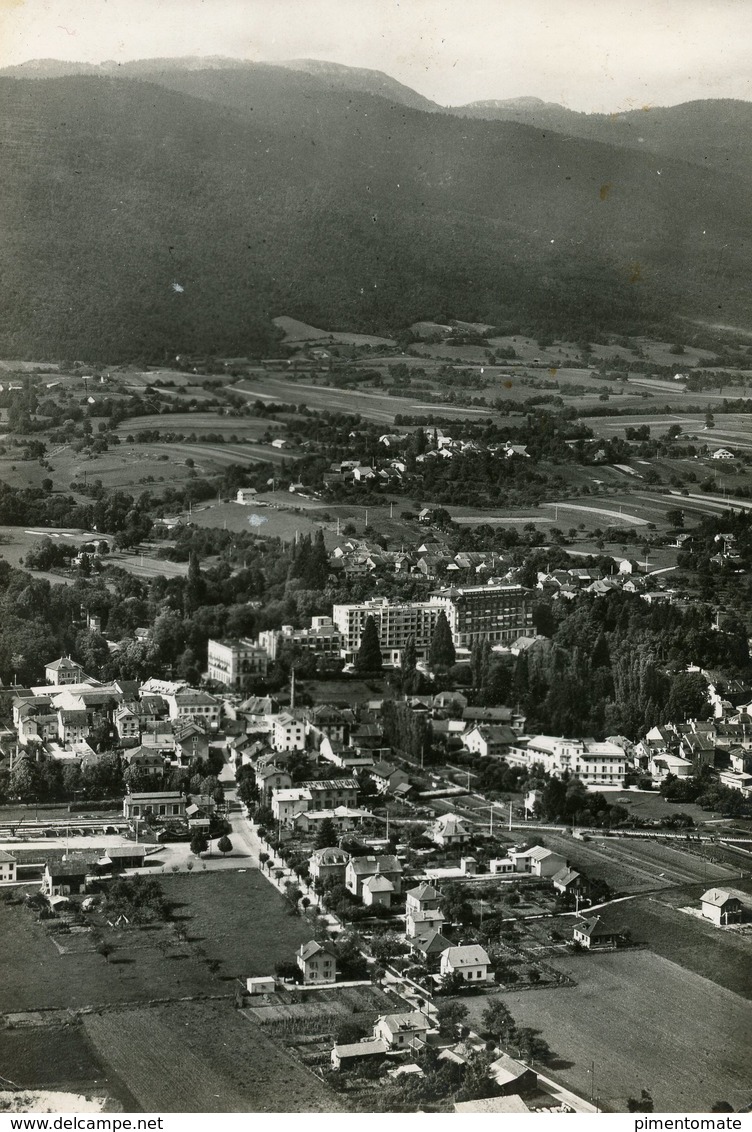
column 322, row 638
column 235, row 663
column 396, row 623
column 595, row 764
column 495, row 613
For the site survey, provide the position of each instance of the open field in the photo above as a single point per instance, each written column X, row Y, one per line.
column 265, row 521
column 649, row 805
column 297, row 332
column 238, row 917
column 641, row 1022
column 732, row 429
column 15, row 542
column 204, row 1057
column 143, row 566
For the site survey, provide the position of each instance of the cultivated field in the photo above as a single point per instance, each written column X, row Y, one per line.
column 244, row 428
column 630, row 865
column 204, row 1057
column 60, row 1059
column 372, row 405
column 640, row 1022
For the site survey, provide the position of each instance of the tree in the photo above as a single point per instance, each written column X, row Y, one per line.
column 327, row 836
column 224, row 845
column 105, row 950
column 455, row 905
column 24, row 780
column 369, row 658
column 349, row 1030
column 450, row 1014
column 247, row 790
column 498, row 1020
column 477, row 1081
column 643, row 1104
column 199, row 843
column 387, row 946
column 675, row 517
column 442, row 653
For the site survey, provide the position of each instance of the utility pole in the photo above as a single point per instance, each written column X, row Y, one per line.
column 510, row 815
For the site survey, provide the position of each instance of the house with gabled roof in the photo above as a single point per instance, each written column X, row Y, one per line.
column 490, row 740
column 469, row 960
column 429, row 943
column 318, row 961
column 378, row 890
column 63, row 671
column 387, row 777
column 359, row 869
column 8, row 865
column 593, row 934
column 402, row 1031
column 269, row 779
column 568, row 882
column 324, row 864
column 448, row 830
column 66, row 877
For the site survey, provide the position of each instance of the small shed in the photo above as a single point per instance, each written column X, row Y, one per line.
column 346, row 1056
column 721, row 907
column 512, row 1077
column 261, row 984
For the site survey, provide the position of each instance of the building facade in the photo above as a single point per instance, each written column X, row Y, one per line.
column 496, row 613
column 595, row 764
column 236, row 663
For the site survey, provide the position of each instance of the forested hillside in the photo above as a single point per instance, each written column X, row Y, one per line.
column 142, row 221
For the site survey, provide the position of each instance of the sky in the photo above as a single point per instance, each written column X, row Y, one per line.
column 593, row 55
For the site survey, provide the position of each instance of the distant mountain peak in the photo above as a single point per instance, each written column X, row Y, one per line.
column 525, row 102
column 363, row 80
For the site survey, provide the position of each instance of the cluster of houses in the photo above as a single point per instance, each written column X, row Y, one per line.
column 391, row 464
column 156, row 724
column 633, row 577
column 722, row 744
column 353, row 558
